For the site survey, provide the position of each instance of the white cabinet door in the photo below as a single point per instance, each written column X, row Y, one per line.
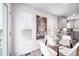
column 77, row 24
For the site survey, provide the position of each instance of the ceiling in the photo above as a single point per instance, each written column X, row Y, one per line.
column 57, row 9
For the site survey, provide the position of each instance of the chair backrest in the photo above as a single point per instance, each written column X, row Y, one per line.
column 75, row 46
column 46, row 50
column 65, row 40
column 74, row 49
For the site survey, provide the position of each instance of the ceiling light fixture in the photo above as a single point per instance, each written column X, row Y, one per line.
column 73, row 14
column 64, row 3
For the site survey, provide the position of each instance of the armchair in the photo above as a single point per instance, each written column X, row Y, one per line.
column 69, row 51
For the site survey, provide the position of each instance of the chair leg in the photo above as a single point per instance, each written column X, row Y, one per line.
column 27, row 54
column 57, row 51
column 42, row 55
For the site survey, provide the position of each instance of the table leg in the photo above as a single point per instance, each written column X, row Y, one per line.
column 57, row 51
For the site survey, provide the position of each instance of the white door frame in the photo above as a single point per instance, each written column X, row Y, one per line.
column 5, row 31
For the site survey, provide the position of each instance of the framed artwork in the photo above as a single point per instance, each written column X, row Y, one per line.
column 41, row 27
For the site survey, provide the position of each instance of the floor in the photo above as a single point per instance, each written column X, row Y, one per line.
column 34, row 53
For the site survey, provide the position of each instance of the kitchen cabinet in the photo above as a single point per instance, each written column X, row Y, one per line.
column 62, row 22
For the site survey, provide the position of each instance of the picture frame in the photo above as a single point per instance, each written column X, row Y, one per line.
column 41, row 27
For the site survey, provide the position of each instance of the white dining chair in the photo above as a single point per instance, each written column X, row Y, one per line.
column 65, row 40
column 69, row 51
column 47, row 51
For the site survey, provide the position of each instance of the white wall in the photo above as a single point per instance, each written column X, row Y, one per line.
column 20, row 16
